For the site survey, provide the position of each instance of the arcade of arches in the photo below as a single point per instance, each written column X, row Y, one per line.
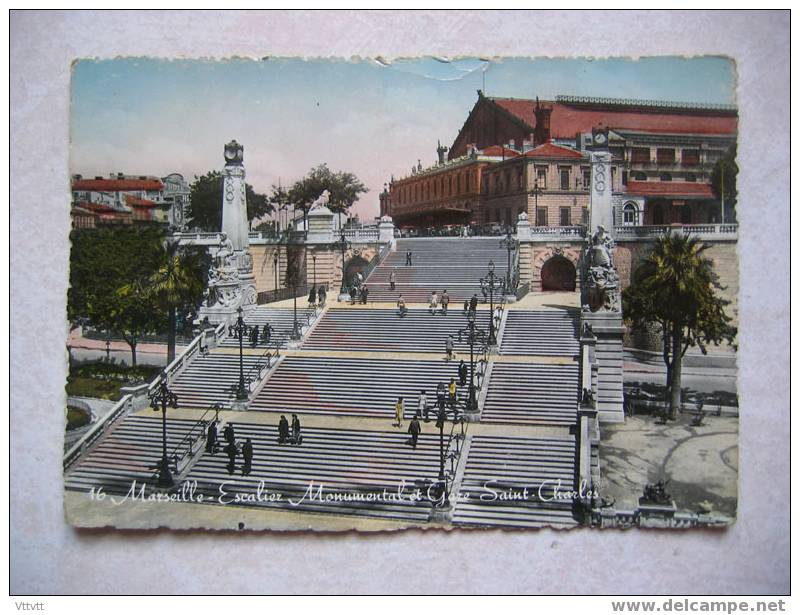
column 558, row 273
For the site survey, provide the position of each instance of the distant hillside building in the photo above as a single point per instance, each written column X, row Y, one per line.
column 127, row 199
column 664, row 153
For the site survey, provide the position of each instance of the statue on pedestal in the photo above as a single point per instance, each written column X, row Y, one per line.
column 601, row 282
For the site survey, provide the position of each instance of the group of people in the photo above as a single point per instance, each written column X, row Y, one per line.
column 287, row 435
column 445, row 395
column 359, row 294
column 317, row 296
column 439, row 301
column 231, row 448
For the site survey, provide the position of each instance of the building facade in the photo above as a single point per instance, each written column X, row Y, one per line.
column 533, row 155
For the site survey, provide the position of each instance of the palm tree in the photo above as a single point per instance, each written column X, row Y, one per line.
column 674, row 287
column 178, row 283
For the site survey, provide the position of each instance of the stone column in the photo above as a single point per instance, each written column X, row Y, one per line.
column 234, row 198
column 386, row 232
column 600, row 205
column 524, row 238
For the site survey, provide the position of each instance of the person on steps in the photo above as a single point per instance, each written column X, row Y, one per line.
column 296, row 437
column 283, row 430
column 414, row 429
column 399, row 410
column 247, row 455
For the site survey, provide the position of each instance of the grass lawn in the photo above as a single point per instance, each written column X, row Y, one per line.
column 104, row 381
column 76, row 418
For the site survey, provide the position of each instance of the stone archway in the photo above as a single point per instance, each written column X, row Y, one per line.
column 356, row 264
column 558, row 273
column 550, row 272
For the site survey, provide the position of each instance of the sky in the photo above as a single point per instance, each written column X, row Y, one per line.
column 374, row 118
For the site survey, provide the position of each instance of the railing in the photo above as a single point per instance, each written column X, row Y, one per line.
column 549, row 233
column 189, row 439
column 362, row 235
column 199, row 239
column 704, row 231
column 254, row 374
column 261, row 237
column 376, row 260
column 77, row 449
column 271, row 296
column 522, row 290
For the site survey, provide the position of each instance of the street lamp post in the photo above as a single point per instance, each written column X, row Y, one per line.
column 295, row 326
column 240, row 329
column 163, row 397
column 536, row 191
column 510, row 244
column 314, row 260
column 275, row 268
column 474, row 336
column 444, row 499
column 489, row 285
column 343, row 245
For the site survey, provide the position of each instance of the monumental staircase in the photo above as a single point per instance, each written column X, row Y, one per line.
column 533, row 439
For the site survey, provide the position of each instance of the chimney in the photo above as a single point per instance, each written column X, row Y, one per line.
column 541, row 132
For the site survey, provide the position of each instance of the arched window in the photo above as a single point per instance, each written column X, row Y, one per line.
column 630, row 214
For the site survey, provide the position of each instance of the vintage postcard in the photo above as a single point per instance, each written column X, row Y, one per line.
column 381, row 294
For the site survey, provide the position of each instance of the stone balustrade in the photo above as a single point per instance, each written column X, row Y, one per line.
column 703, row 231
column 551, row 233
column 122, row 407
column 362, row 235
column 198, row 239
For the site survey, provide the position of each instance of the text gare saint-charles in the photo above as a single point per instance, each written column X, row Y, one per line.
column 230, row 493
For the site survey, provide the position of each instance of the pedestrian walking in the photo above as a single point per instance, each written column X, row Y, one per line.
column 247, row 455
column 321, row 295
column 353, row 294
column 229, row 433
column 449, row 348
column 283, row 430
column 364, row 294
column 408, row 258
column 254, row 335
column 445, row 302
column 441, row 393
column 266, row 333
column 312, row 296
column 296, row 437
column 434, row 303
column 414, row 429
column 399, row 411
column 473, row 303
column 453, row 391
column 392, row 279
column 462, row 374
column 231, row 451
column 422, row 404
column 211, row 438
column 466, row 307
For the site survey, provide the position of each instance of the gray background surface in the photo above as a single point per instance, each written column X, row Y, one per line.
column 47, row 556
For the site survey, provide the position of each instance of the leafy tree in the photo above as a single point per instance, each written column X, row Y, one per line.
column 178, row 284
column 205, row 207
column 674, row 288
column 723, row 182
column 103, row 261
column 344, row 189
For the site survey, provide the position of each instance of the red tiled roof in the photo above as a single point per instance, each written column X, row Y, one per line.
column 567, row 120
column 96, row 207
column 676, row 189
column 497, row 150
column 81, row 211
column 551, row 150
column 135, row 201
column 116, row 185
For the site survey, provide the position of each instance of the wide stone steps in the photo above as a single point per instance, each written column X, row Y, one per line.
column 452, row 264
column 511, row 482
column 377, row 470
column 130, row 452
column 532, row 394
column 213, row 378
column 382, row 330
column 541, row 332
column 357, row 387
column 282, row 321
